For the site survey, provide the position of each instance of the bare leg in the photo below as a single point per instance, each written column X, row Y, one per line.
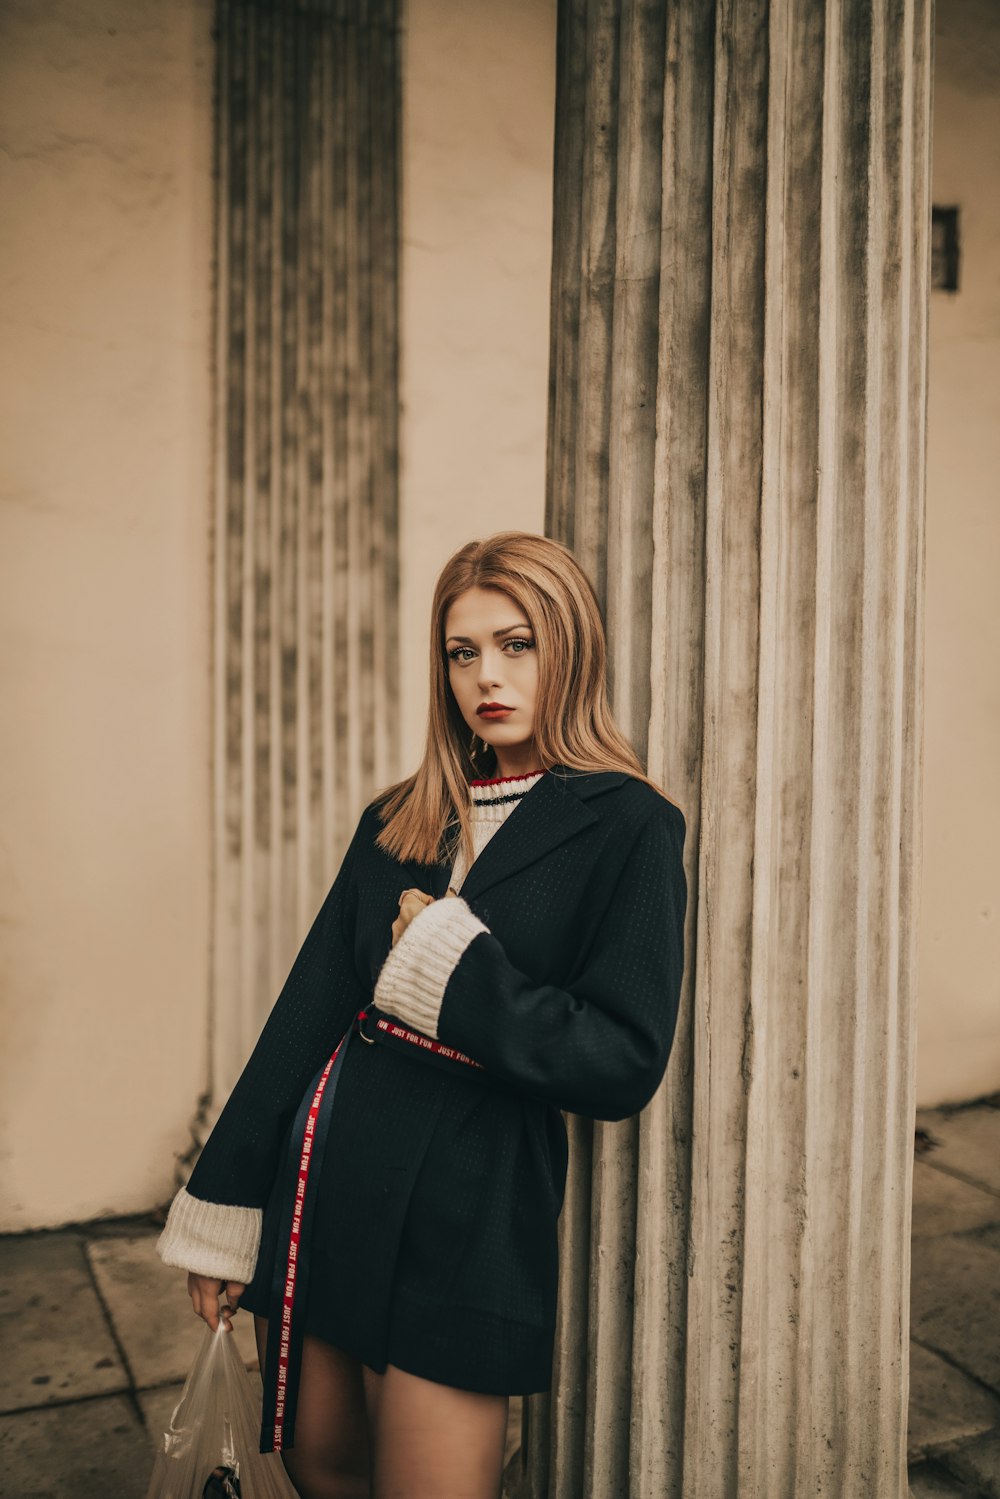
column 373, row 1400
column 436, row 1442
column 330, row 1458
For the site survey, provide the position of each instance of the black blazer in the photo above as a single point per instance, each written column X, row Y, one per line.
column 569, row 1002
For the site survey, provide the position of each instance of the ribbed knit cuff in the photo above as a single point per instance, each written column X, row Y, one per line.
column 415, row 974
column 211, row 1238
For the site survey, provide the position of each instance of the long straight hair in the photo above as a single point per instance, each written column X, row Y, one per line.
column 426, row 816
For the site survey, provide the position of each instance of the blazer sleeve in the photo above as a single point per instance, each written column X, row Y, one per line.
column 598, row 1047
column 214, row 1223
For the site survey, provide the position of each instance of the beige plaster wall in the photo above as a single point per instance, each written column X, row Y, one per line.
column 105, row 276
column 478, row 116
column 105, row 401
column 959, row 1014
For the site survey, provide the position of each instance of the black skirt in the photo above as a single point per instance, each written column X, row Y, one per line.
column 434, row 1240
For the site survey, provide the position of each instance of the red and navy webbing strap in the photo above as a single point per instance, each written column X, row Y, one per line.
column 394, row 1028
column 291, row 1260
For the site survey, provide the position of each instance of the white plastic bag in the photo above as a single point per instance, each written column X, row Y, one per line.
column 210, row 1450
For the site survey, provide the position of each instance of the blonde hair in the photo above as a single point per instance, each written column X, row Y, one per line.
column 573, row 724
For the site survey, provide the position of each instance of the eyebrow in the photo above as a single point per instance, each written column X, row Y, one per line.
column 466, row 640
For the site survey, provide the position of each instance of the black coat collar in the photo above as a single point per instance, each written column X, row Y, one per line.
column 550, row 813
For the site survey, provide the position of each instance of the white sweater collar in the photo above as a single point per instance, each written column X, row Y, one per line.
column 494, row 799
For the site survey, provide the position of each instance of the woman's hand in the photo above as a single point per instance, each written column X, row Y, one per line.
column 205, row 1291
column 411, row 903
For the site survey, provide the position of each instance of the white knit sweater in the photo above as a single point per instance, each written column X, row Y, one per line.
column 219, row 1240
column 415, row 974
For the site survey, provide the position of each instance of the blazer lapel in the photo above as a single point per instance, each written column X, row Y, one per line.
column 550, row 812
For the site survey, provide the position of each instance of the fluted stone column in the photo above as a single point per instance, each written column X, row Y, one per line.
column 737, row 456
column 305, row 533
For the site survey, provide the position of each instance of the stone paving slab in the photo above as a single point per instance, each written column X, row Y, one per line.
column 990, row 1236
column 152, row 1312
column 955, row 1302
column 56, row 1342
column 925, row 1483
column 942, row 1204
column 968, row 1143
column 157, row 1408
column 93, row 1449
column 945, row 1405
column 977, row 1464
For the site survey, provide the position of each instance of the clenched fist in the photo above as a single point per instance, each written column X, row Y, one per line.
column 205, row 1292
column 411, row 903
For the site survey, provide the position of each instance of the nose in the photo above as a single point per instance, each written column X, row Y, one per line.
column 489, row 671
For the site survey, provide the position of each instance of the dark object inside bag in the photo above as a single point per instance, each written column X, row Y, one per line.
column 222, row 1484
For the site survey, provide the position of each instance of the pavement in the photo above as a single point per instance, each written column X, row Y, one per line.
column 98, row 1335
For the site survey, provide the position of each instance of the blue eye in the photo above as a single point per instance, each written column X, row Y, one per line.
column 466, row 650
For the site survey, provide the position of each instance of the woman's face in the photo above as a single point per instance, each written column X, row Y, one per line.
column 491, row 658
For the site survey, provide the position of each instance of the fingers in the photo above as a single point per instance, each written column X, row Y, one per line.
column 411, row 903
column 234, row 1290
column 204, row 1293
column 210, row 1305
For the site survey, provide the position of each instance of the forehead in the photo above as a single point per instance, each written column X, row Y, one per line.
column 485, row 611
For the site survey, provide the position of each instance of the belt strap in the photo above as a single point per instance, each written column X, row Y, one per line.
column 427, row 1043
column 289, row 1279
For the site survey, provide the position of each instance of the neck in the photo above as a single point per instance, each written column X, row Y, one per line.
column 522, row 760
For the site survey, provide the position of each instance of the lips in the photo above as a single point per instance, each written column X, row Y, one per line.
column 493, row 710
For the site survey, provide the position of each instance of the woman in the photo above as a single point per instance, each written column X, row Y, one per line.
column 506, row 931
